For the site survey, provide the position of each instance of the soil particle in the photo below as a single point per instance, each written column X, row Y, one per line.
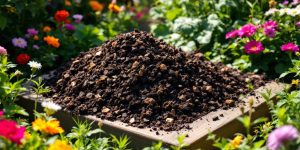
column 141, row 80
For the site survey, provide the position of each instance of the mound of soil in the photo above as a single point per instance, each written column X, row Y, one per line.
column 145, row 82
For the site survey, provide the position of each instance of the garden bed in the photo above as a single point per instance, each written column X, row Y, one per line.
column 221, row 122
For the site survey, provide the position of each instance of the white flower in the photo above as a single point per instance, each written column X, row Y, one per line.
column 293, row 12
column 283, row 11
column 18, row 73
column 51, row 106
column 35, row 65
column 271, row 11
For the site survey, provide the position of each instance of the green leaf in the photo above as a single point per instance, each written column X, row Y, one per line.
column 172, row 14
column 3, row 22
column 15, row 109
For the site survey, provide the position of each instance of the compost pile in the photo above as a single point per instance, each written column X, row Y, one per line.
column 145, row 82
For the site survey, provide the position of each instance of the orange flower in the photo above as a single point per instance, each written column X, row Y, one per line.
column 96, row 6
column 61, row 15
column 36, row 37
column 49, row 127
column 60, row 145
column 52, row 41
column 46, row 29
column 114, row 8
column 68, row 3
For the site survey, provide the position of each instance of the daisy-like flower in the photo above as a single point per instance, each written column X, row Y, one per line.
column 280, row 136
column 35, row 65
column 271, row 11
column 293, row 12
column 290, row 47
column 18, row 73
column 254, row 47
column 77, row 18
column 283, row 11
column 19, row 42
column 50, row 107
column 247, row 30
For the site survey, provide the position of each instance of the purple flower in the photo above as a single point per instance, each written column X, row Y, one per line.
column 281, row 135
column 77, row 18
column 19, row 42
column 295, row 2
column 247, row 30
column 270, row 28
column 32, row 31
column 35, row 47
column 232, row 34
column 298, row 24
column 69, row 27
column 3, row 51
column 253, row 47
column 285, row 2
column 290, row 47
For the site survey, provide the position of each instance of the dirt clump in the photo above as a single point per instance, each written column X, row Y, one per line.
column 142, row 81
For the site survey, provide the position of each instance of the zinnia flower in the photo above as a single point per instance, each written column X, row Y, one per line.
column 52, row 41
column 298, row 24
column 11, row 131
column 19, row 42
column 69, row 27
column 3, row 51
column 290, row 47
column 295, row 82
column 22, row 59
column 32, row 31
column 236, row 142
column 271, row 11
column 96, row 6
column 247, row 30
column 1, row 113
column 59, row 145
column 34, row 65
column 47, row 29
column 49, row 127
column 114, row 8
column 281, row 135
column 77, row 18
column 232, row 34
column 50, row 107
column 253, row 47
column 61, row 15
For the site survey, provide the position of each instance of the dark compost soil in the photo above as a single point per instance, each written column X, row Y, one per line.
column 145, row 82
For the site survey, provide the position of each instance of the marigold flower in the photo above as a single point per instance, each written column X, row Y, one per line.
column 280, row 136
column 295, row 82
column 19, row 42
column 61, row 15
column 114, row 8
column 96, row 6
column 36, row 38
column 247, row 30
column 47, row 29
column 49, row 127
column 253, row 47
column 3, row 51
column 27, row 135
column 52, row 41
column 68, row 3
column 290, row 47
column 60, row 145
column 12, row 131
column 22, row 59
column 272, row 3
column 236, row 142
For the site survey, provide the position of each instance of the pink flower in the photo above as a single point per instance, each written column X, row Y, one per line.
column 1, row 113
column 32, row 32
column 35, row 47
column 247, row 30
column 11, row 131
column 298, row 24
column 253, row 47
column 69, row 27
column 270, row 28
column 285, row 2
column 77, row 18
column 295, row 2
column 290, row 47
column 281, row 135
column 19, row 42
column 3, row 51
column 232, row 34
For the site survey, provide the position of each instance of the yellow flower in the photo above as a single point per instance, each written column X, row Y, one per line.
column 295, row 82
column 114, row 8
column 236, row 142
column 68, row 3
column 49, row 127
column 96, row 6
column 272, row 3
column 47, row 29
column 52, row 41
column 60, row 145
column 27, row 135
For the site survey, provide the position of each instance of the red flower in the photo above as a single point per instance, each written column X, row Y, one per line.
column 61, row 15
column 22, row 59
column 11, row 131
